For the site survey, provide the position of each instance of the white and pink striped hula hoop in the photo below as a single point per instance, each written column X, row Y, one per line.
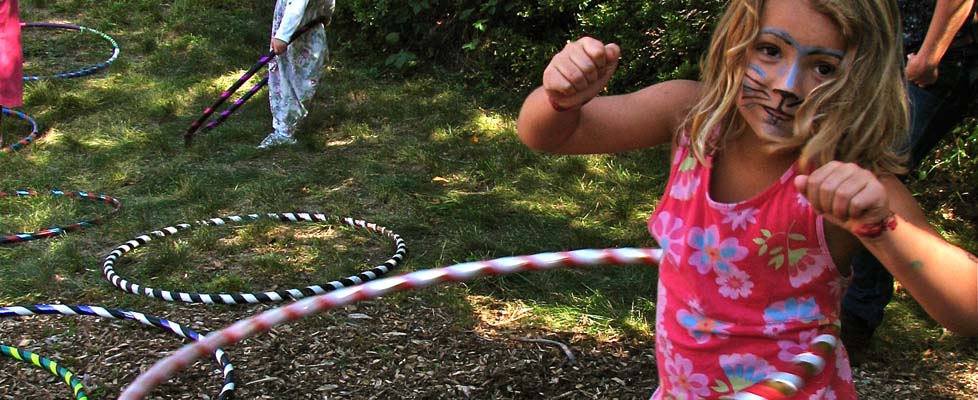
column 781, row 385
column 180, row 360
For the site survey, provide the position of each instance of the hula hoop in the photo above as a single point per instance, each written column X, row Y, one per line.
column 60, row 230
column 821, row 347
column 108, row 270
column 80, row 72
column 77, row 389
column 227, row 370
column 188, row 136
column 30, row 138
column 784, row 385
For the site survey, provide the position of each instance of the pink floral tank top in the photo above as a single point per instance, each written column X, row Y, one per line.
column 743, row 288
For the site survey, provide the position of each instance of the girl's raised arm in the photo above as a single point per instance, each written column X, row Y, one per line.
column 567, row 116
column 942, row 277
column 883, row 215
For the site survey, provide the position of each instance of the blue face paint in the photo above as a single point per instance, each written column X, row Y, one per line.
column 800, row 52
column 758, row 70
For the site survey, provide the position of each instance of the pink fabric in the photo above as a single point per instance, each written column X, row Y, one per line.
column 11, row 63
column 743, row 288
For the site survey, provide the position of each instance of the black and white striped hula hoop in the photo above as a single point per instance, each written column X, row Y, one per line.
column 77, row 389
column 79, row 72
column 227, row 370
column 108, row 265
column 30, row 138
column 781, row 385
column 60, row 230
column 198, row 124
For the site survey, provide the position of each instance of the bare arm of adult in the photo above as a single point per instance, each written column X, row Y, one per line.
column 949, row 16
column 882, row 214
column 567, row 116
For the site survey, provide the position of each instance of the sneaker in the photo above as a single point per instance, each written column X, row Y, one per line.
column 276, row 139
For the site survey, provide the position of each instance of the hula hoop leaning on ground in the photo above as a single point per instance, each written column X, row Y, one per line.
column 188, row 136
column 60, row 230
column 30, row 138
column 108, row 270
column 781, row 385
column 227, row 370
column 77, row 389
column 80, row 72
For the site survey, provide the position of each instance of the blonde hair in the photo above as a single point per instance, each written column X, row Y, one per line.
column 860, row 117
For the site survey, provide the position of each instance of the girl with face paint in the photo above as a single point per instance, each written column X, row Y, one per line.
column 783, row 166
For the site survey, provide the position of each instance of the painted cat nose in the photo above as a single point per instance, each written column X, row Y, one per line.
column 789, row 83
column 788, row 99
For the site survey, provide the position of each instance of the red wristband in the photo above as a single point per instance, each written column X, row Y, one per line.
column 557, row 107
column 873, row 231
column 560, row 108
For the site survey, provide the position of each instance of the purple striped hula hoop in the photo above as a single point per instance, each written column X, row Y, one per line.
column 79, row 72
column 806, row 364
column 199, row 125
column 60, row 230
column 227, row 370
column 30, row 138
column 108, row 264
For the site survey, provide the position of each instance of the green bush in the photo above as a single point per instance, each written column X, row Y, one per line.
column 504, row 43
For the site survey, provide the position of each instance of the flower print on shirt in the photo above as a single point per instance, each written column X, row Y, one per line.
column 701, row 327
column 842, row 366
column 685, row 183
column 791, row 348
column 804, row 263
column 823, row 394
column 712, row 252
column 668, row 231
column 778, row 248
column 802, row 201
column 684, row 187
column 738, row 219
column 742, row 370
column 713, row 310
column 812, row 265
column 734, row 284
column 684, row 382
column 779, row 314
column 662, row 342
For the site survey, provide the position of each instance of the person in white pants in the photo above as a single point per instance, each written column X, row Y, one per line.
column 296, row 70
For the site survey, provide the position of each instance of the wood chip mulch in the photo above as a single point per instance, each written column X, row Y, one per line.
column 393, row 348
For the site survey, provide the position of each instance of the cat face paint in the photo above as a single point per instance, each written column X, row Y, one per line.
column 797, row 49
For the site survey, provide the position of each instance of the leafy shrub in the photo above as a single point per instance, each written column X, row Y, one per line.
column 508, row 43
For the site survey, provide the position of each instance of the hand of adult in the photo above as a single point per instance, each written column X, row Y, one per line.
column 919, row 72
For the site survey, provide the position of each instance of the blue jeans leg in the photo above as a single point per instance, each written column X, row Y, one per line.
column 870, row 291
column 923, row 106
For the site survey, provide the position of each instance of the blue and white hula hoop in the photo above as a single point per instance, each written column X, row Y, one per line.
column 79, row 72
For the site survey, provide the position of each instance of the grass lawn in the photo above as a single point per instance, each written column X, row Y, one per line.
column 426, row 156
